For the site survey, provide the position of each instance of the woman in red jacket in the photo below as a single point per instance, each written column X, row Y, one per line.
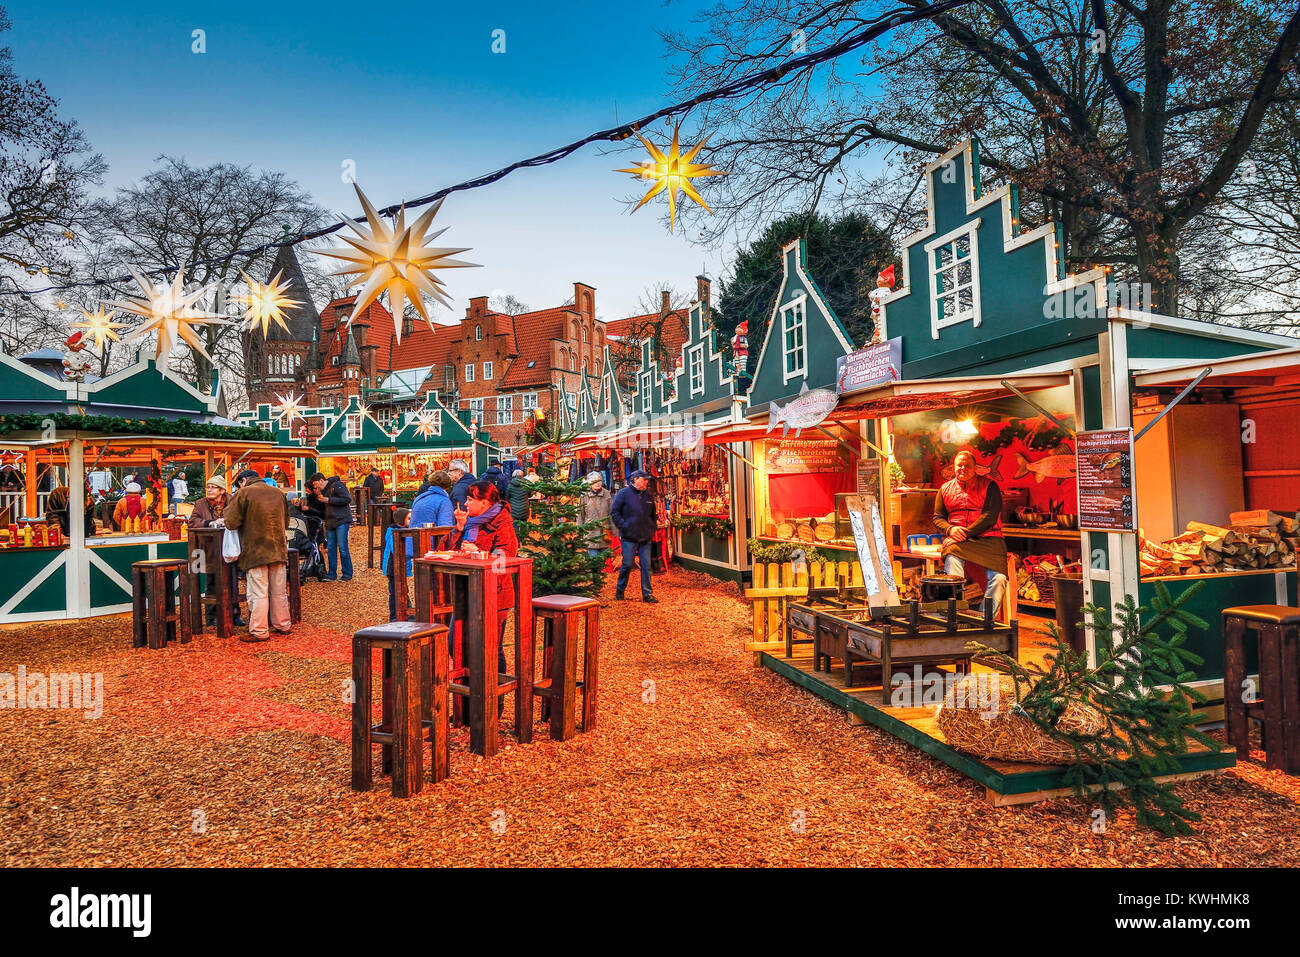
column 484, row 525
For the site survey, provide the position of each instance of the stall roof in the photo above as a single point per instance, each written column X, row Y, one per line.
column 1280, row 367
column 924, row 395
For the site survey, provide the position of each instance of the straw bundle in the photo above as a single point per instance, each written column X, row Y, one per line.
column 976, row 717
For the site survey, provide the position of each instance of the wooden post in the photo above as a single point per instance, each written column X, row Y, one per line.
column 29, row 457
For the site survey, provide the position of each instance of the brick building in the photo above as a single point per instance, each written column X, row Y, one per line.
column 499, row 367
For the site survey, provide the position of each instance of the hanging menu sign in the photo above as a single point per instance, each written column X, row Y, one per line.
column 1105, row 477
column 877, row 363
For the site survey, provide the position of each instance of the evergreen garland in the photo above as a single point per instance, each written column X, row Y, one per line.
column 557, row 542
column 1146, row 726
column 112, row 424
column 713, row 527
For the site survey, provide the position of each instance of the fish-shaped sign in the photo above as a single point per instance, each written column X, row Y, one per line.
column 807, row 409
column 1059, row 465
column 991, row 471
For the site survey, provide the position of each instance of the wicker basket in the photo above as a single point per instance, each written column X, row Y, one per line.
column 976, row 717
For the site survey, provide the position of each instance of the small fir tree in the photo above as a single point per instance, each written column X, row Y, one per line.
column 1140, row 686
column 557, row 541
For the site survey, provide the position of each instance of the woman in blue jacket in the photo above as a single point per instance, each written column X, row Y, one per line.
column 433, row 506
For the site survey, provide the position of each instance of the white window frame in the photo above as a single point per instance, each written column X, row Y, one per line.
column 794, row 315
column 528, row 401
column 932, row 248
column 505, row 409
column 476, row 410
column 645, row 392
column 352, row 427
column 478, row 333
column 487, row 371
column 695, row 368
column 469, row 372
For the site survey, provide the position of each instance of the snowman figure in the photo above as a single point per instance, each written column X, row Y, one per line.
column 78, row 360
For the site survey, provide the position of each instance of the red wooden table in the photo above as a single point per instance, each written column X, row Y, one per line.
column 463, row 588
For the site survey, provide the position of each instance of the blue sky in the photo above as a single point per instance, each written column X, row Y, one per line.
column 414, row 96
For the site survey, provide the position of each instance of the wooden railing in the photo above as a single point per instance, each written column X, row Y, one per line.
column 13, row 505
column 776, row 583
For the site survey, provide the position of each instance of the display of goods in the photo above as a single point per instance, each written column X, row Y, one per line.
column 978, row 717
column 785, row 530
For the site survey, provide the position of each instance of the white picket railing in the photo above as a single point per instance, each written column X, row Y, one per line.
column 16, row 503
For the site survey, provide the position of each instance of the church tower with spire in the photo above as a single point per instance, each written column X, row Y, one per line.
column 280, row 363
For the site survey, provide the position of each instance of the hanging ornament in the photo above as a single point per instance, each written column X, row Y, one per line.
column 395, row 259
column 77, row 363
column 100, row 325
column 672, row 172
column 265, row 302
column 169, row 311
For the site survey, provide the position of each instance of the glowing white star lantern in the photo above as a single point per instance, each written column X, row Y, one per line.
column 169, row 311
column 100, row 324
column 289, row 405
column 265, row 302
column 426, row 424
column 397, row 260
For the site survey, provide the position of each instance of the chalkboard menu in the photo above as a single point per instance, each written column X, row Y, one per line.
column 1105, row 477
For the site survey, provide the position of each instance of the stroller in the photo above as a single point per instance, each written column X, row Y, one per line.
column 306, row 536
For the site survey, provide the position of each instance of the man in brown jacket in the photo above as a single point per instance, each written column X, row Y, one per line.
column 260, row 514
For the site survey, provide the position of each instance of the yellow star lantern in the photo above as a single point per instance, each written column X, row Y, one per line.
column 397, row 259
column 100, row 324
column 265, row 302
column 169, row 311
column 672, row 173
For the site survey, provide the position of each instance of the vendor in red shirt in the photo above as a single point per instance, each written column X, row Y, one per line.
column 968, row 510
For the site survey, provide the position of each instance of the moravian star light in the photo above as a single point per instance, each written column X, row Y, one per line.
column 397, row 259
column 169, row 310
column 290, row 406
column 426, row 424
column 265, row 302
column 671, row 172
column 100, row 324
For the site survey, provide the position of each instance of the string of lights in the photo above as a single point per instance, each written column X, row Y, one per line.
column 875, row 29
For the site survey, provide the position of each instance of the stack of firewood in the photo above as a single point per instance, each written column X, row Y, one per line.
column 1258, row 539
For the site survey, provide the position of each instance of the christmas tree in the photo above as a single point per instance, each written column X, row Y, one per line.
column 557, row 541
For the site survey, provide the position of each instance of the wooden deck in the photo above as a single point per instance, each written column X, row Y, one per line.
column 1005, row 782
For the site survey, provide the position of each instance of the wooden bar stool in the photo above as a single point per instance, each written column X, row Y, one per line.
column 414, row 693
column 295, row 586
column 424, row 539
column 360, row 503
column 1277, row 702
column 380, row 515
column 160, row 609
column 560, row 615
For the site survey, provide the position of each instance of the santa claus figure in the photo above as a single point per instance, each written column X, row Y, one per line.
column 78, row 360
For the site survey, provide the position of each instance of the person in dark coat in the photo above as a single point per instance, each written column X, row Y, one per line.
column 635, row 515
column 338, row 527
column 496, row 477
column 517, row 495
column 459, row 471
column 374, row 484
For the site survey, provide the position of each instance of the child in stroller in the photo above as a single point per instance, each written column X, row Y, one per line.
column 306, row 536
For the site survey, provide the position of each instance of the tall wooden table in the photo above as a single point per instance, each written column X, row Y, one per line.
column 425, row 538
column 215, row 589
column 380, row 517
column 464, row 589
